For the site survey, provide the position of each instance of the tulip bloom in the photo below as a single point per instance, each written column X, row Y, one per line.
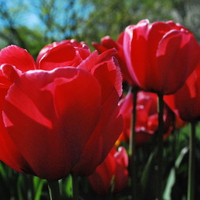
column 108, row 43
column 147, row 117
column 160, row 56
column 113, row 170
column 59, row 115
column 185, row 102
column 57, row 48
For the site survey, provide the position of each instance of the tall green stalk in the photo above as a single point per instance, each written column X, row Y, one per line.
column 54, row 191
column 159, row 175
column 132, row 159
column 191, row 168
column 75, row 187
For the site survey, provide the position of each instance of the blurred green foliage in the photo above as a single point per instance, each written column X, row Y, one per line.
column 85, row 20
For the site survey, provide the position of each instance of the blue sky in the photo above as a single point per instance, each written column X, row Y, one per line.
column 29, row 16
column 26, row 13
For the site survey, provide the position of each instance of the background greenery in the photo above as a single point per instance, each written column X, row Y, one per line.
column 87, row 20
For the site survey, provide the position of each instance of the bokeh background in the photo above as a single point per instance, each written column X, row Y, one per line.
column 32, row 24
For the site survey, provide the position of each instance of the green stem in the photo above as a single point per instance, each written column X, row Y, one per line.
column 132, row 161
column 54, row 191
column 31, row 187
column 191, row 169
column 159, row 188
column 75, row 187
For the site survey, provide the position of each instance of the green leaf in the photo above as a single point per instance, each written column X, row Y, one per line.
column 171, row 180
column 147, row 171
column 68, row 187
column 38, row 185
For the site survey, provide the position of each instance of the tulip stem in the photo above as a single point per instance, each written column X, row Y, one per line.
column 159, row 166
column 132, row 144
column 54, row 191
column 191, row 169
column 75, row 187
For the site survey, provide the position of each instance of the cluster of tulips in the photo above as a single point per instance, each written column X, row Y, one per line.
column 69, row 111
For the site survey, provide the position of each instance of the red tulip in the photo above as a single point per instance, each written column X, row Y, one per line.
column 185, row 102
column 59, row 118
column 146, row 117
column 113, row 170
column 108, row 43
column 160, row 56
column 56, row 49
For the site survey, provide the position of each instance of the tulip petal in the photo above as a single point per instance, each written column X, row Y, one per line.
column 62, row 55
column 103, row 138
column 4, row 82
column 9, row 153
column 70, row 99
column 99, row 47
column 171, row 52
column 17, row 57
column 109, row 43
column 10, row 72
column 110, row 124
column 134, row 59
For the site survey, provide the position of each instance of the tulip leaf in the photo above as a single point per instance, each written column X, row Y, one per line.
column 19, row 188
column 171, row 180
column 68, row 187
column 147, row 170
column 147, row 178
column 38, row 185
column 2, row 170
